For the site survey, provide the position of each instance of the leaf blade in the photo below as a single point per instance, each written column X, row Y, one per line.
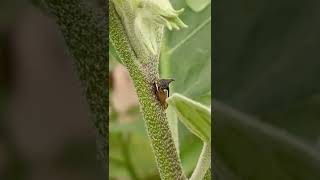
column 260, row 147
column 198, row 5
column 195, row 116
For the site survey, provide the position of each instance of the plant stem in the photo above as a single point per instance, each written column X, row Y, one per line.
column 203, row 163
column 159, row 133
column 173, row 124
column 172, row 116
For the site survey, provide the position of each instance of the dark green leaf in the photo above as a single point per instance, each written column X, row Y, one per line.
column 249, row 149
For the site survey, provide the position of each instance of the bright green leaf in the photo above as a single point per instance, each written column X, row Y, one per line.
column 195, row 116
column 140, row 152
column 186, row 55
column 198, row 5
column 190, row 149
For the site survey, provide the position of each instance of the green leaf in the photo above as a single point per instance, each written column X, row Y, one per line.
column 295, row 116
column 198, row 5
column 195, row 116
column 139, row 150
column 190, row 149
column 246, row 148
column 265, row 77
column 186, row 55
column 264, row 74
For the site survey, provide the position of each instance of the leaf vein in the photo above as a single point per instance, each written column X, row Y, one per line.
column 189, row 36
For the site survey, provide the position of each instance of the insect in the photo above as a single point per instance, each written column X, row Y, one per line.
column 162, row 91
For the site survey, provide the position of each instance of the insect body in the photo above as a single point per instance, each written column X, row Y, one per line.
column 162, row 91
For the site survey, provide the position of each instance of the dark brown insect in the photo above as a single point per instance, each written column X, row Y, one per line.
column 162, row 91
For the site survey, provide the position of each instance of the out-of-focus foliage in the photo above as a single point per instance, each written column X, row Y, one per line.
column 9, row 9
column 259, row 151
column 267, row 66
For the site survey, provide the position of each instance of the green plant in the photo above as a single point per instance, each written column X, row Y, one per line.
column 136, row 31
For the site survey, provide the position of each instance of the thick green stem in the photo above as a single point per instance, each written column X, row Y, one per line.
column 163, row 146
column 203, row 163
column 172, row 116
column 173, row 124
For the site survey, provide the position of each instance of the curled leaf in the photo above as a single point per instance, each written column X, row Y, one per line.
column 195, row 116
